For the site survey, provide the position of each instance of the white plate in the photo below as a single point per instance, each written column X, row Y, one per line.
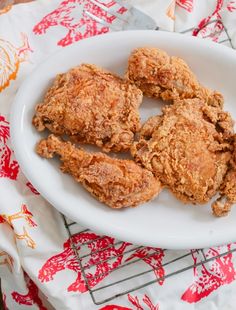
column 164, row 222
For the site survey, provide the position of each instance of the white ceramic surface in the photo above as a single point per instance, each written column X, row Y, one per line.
column 164, row 222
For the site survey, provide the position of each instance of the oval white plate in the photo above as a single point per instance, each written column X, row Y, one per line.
column 164, row 222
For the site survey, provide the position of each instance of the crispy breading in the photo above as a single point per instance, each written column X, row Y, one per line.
column 160, row 76
column 188, row 148
column 91, row 105
column 223, row 204
column 118, row 183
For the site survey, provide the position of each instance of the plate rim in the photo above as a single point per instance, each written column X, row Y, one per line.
column 15, row 135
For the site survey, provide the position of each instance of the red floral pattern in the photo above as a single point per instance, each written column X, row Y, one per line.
column 28, row 216
column 31, row 187
column 114, row 307
column 78, row 27
column 212, row 30
column 97, row 258
column 231, row 6
column 31, row 298
column 153, row 257
column 185, row 4
column 148, row 305
column 147, row 301
column 4, row 297
column 98, row 265
column 212, row 26
column 210, row 276
column 9, row 167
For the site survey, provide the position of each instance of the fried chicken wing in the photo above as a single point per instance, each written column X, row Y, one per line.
column 223, row 205
column 91, row 105
column 160, row 76
column 116, row 182
column 188, row 148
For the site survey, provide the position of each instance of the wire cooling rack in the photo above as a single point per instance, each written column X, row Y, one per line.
column 124, row 268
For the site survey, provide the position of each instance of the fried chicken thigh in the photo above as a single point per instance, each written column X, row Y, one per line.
column 91, row 105
column 116, row 182
column 160, row 76
column 223, row 204
column 188, row 148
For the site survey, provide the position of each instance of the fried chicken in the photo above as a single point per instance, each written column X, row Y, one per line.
column 223, row 205
column 160, row 76
column 118, row 183
column 91, row 105
column 188, row 148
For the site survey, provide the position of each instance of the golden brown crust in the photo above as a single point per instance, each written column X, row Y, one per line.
column 160, row 76
column 118, row 183
column 223, row 204
column 91, row 105
column 188, row 150
column 221, row 208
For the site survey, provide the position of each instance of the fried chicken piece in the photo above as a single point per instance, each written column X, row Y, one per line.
column 91, row 105
column 223, row 205
column 188, row 148
column 160, row 76
column 118, row 183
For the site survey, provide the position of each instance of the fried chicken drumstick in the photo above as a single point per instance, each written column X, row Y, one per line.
column 116, row 182
column 188, row 148
column 160, row 76
column 91, row 105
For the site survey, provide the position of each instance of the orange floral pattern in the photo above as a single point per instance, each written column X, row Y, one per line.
column 10, row 59
column 6, row 259
column 25, row 236
column 170, row 12
column 25, row 214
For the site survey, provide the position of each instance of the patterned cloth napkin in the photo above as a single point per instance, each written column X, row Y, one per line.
column 38, row 267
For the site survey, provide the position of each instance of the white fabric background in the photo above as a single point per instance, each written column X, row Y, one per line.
column 49, row 235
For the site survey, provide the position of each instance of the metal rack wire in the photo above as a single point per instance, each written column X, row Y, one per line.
column 123, row 270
